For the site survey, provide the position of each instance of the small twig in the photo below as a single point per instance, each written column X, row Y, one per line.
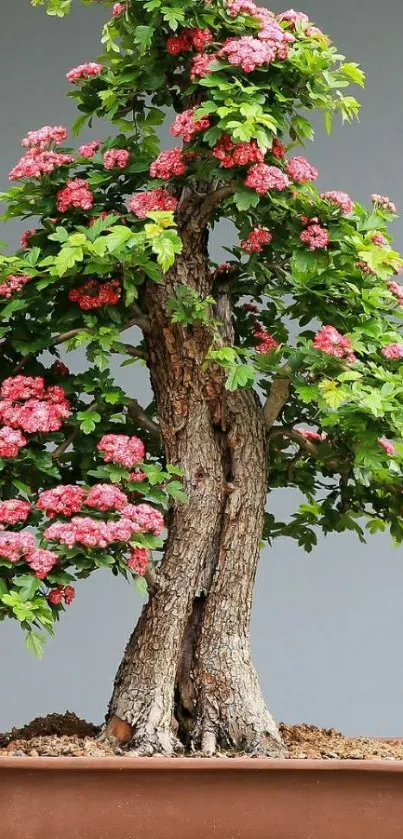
column 128, row 349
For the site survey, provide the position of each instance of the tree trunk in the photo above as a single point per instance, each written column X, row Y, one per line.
column 186, row 676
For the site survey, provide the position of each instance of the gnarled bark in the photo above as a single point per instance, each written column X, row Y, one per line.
column 186, row 676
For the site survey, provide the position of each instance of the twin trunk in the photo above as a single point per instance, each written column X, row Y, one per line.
column 186, row 678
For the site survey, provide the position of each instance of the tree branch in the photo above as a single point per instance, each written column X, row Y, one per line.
column 139, row 415
column 277, row 398
column 296, row 437
column 209, row 203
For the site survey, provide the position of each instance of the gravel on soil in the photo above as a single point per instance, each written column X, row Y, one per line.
column 65, row 735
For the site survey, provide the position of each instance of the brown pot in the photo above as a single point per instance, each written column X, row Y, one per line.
column 196, row 798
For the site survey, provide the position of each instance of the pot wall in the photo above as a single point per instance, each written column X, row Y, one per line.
column 155, row 798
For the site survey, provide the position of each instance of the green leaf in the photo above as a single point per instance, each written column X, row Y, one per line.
column 244, row 199
column 143, row 36
column 243, row 375
column 28, row 585
column 88, row 420
column 141, row 585
column 166, row 246
column 34, row 641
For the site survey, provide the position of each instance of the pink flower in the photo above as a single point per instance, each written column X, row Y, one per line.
column 331, row 342
column 95, row 295
column 379, row 239
column 340, row 199
column 301, row 171
column 256, row 240
column 89, row 149
column 69, row 594
column 188, row 38
column 138, row 561
column 278, row 149
column 145, row 518
column 138, row 476
column 364, row 267
column 118, row 9
column 65, row 500
column 294, row 18
column 14, row 511
column 22, row 387
column 266, row 341
column 168, row 164
column 315, row 436
column 43, row 137
column 397, row 290
column 384, row 203
column 119, row 448
column 75, row 194
column 36, row 163
column 116, row 158
column 236, row 154
column 270, row 30
column 143, row 203
column 247, row 52
column 43, row 410
column 41, row 562
column 315, row 236
column 387, row 446
column 262, row 178
column 13, row 284
column 11, row 441
column 106, row 497
column 60, row 369
column 393, row 351
column 201, row 65
column 25, row 238
column 55, row 596
column 14, row 545
column 187, row 126
column 84, row 72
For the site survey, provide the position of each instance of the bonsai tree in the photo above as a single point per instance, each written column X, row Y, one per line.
column 280, row 368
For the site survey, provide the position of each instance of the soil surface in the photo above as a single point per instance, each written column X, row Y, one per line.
column 60, row 735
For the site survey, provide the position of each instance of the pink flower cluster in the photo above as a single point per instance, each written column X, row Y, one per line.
column 145, row 519
column 236, row 154
column 14, row 511
column 278, row 149
column 266, row 341
column 84, row 72
column 106, row 497
column 62, row 500
column 263, row 178
column 314, row 436
column 387, row 446
column 364, row 267
column 118, row 9
column 315, row 236
column 27, row 404
column 301, row 171
column 57, row 595
column 201, row 65
column 294, row 18
column 394, row 352
column 258, row 237
column 11, row 441
column 138, row 561
column 143, row 203
column 168, row 164
column 397, row 290
column 94, row 294
column 188, row 39
column 42, row 138
column 247, row 52
column 75, row 194
column 35, row 163
column 26, row 237
column 383, row 202
column 116, row 158
column 13, row 284
column 89, row 149
column 119, row 448
column 270, row 30
column 340, row 199
column 16, row 546
column 331, row 342
column 187, row 126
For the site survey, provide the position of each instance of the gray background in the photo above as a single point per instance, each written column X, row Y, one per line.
column 328, row 627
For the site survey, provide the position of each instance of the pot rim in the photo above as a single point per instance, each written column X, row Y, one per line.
column 196, row 764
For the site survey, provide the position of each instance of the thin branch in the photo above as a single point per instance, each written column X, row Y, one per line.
column 128, row 349
column 63, row 446
column 139, row 415
column 296, row 437
column 277, row 398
